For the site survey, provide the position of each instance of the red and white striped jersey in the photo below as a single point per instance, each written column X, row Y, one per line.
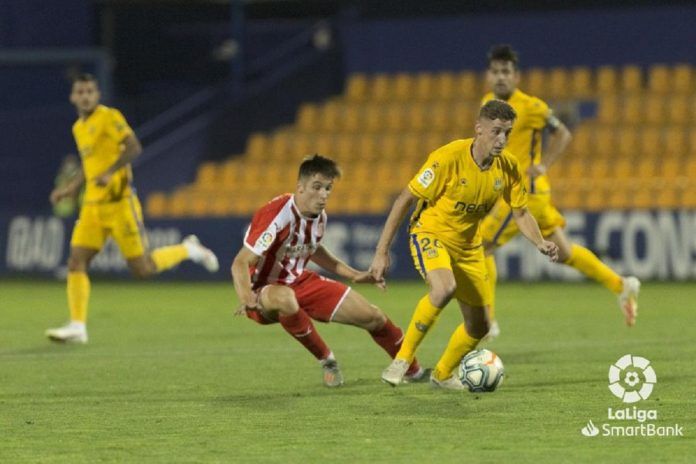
column 284, row 239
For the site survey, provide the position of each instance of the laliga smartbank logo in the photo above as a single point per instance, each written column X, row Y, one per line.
column 631, row 379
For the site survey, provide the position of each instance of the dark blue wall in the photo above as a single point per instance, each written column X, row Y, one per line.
column 565, row 38
column 43, row 23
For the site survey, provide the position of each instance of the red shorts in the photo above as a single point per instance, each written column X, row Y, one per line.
column 318, row 296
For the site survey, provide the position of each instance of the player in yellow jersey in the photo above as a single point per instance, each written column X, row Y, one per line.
column 459, row 183
column 533, row 117
column 107, row 146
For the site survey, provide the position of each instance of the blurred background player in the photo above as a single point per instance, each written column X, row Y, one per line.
column 68, row 171
column 274, row 287
column 107, row 146
column 459, row 183
column 533, row 116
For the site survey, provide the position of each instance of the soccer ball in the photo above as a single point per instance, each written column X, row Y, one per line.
column 481, row 371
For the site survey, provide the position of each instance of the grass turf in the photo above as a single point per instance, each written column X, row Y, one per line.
column 170, row 375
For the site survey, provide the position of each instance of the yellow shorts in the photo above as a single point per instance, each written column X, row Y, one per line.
column 122, row 220
column 468, row 266
column 499, row 227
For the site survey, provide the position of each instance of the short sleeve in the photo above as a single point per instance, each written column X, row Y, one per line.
column 538, row 113
column 515, row 193
column 432, row 178
column 117, row 126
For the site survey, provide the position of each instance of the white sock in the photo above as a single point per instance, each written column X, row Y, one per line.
column 78, row 325
column 195, row 252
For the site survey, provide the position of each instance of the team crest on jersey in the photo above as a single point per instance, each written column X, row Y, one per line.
column 265, row 240
column 426, row 178
column 431, row 253
column 498, row 184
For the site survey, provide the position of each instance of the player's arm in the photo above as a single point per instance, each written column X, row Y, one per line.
column 242, row 280
column 131, row 149
column 558, row 140
column 330, row 262
column 68, row 190
column 530, row 229
column 399, row 210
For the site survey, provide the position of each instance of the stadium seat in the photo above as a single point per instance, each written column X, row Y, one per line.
column 444, row 86
column 675, row 142
column 581, row 145
column 463, row 114
column 308, row 117
column 608, row 111
column 668, row 196
column 156, row 205
column 373, row 118
column 581, row 82
column 659, row 77
column 627, row 144
column 403, row 86
column 679, row 109
column 380, row 88
column 468, row 85
column 395, row 117
column 439, row 117
column 207, row 174
column 646, row 167
column 655, row 110
column 257, row 145
column 330, row 117
column 632, row 111
column 424, row 88
column 623, row 168
column 631, row 79
column 650, row 142
column 682, row 79
column 558, row 85
column 536, row 83
column 357, row 87
column 606, row 81
column 352, row 118
column 605, row 143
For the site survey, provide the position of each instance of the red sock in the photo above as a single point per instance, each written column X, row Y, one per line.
column 389, row 337
column 300, row 326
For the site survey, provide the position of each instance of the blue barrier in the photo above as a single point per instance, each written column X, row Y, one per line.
column 650, row 244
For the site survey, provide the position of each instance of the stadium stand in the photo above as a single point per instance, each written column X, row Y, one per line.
column 634, row 151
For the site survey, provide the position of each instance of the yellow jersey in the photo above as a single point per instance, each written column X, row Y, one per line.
column 99, row 138
column 525, row 139
column 455, row 194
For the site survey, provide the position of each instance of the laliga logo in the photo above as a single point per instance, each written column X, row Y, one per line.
column 625, row 380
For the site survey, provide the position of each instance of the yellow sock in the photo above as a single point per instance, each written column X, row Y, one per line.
column 78, row 295
column 586, row 262
column 168, row 257
column 460, row 344
column 423, row 319
column 492, row 279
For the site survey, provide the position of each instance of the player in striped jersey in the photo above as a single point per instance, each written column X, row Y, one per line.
column 274, row 286
column 533, row 117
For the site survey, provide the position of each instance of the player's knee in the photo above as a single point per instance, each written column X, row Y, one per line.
column 142, row 271
column 281, row 299
column 377, row 319
column 76, row 264
column 442, row 293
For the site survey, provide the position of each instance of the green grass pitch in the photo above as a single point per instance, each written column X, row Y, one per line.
column 170, row 375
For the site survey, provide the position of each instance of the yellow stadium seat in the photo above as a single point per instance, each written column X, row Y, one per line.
column 373, row 118
column 330, row 116
column 344, row 148
column 424, row 88
column 690, row 171
column 357, row 87
column 439, row 116
column 600, row 168
column 688, row 196
column 607, row 80
column 608, row 110
column 632, row 111
column 444, row 86
column 468, row 85
column 659, row 77
column 463, row 115
column 403, row 86
column 631, row 79
column 156, row 205
column 617, row 197
column 581, row 82
column 352, row 119
column 675, row 143
column 627, row 144
column 655, row 110
column 623, row 168
column 324, row 144
column 646, row 167
column 417, row 118
column 207, row 174
column 380, row 88
column 605, row 143
column 581, row 145
column 670, row 168
column 574, row 168
column 682, row 79
column 221, row 205
column 410, row 146
column 395, row 117
column 388, row 148
column 308, row 117
column 595, row 197
column 558, row 85
column 536, row 83
column 302, row 144
column 679, row 109
column 178, row 204
column 257, row 145
column 650, row 141
column 667, row 196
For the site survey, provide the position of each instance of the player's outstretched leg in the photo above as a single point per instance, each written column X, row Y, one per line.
column 492, row 270
column 464, row 339
column 190, row 248
column 281, row 300
column 356, row 310
column 442, row 287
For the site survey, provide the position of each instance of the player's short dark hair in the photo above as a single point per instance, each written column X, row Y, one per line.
column 84, row 77
column 497, row 109
column 502, row 52
column 317, row 164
